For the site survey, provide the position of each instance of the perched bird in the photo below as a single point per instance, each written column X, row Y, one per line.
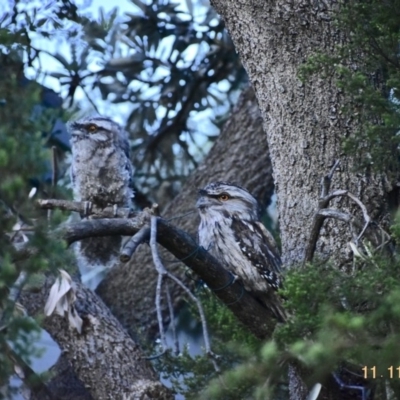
column 101, row 174
column 230, row 229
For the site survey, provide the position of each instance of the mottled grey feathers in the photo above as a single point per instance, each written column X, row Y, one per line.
column 101, row 173
column 231, row 231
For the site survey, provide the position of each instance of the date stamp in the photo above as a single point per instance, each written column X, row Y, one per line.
column 373, row 373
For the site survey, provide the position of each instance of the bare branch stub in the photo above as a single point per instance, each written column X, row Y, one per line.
column 332, row 213
column 133, row 243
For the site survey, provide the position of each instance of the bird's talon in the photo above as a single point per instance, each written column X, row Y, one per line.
column 115, row 210
column 88, row 208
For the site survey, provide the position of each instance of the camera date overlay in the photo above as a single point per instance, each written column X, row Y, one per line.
column 373, row 373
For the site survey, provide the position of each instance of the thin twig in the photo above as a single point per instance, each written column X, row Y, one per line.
column 367, row 218
column 155, row 356
column 201, row 312
column 172, row 320
column 327, row 180
column 319, row 219
column 325, row 201
column 161, row 272
column 159, row 312
column 321, row 215
column 16, row 290
column 181, row 215
column 13, row 296
column 133, row 243
column 54, row 178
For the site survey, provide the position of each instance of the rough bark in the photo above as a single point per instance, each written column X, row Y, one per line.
column 240, row 154
column 104, row 357
column 304, row 123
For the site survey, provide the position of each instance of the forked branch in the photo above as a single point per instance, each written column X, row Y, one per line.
column 324, row 212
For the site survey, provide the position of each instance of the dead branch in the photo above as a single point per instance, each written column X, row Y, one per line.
column 323, row 212
column 332, row 213
column 133, row 243
column 327, row 180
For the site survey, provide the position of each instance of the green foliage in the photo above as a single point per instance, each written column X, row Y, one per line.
column 367, row 70
column 25, row 155
column 336, row 316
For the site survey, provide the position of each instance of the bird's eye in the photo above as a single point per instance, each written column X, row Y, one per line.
column 224, row 197
column 92, row 128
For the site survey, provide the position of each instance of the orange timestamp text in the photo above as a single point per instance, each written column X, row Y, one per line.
column 373, row 373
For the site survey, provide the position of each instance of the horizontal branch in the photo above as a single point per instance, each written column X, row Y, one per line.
column 246, row 308
column 331, row 213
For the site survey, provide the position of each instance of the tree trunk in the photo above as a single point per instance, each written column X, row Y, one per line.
column 105, row 359
column 304, row 122
column 240, row 154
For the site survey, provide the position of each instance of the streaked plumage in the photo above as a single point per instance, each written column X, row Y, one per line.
column 101, row 173
column 231, row 231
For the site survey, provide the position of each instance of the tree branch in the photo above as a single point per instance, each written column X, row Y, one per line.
column 247, row 309
column 323, row 213
column 133, row 243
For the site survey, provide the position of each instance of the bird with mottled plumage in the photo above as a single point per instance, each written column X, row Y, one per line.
column 101, row 173
column 230, row 229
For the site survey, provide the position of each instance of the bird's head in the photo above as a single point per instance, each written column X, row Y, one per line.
column 98, row 131
column 228, row 200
